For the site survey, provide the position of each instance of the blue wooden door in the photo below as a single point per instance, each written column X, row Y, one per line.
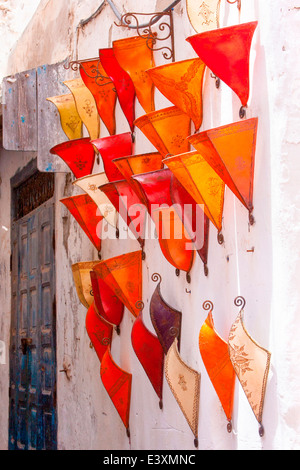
column 33, row 423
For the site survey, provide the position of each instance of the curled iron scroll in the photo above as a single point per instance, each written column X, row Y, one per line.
column 240, row 302
column 208, row 305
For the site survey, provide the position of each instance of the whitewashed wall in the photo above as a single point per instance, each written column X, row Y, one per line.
column 267, row 277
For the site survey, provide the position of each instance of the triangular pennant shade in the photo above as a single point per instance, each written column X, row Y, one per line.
column 82, row 280
column 117, row 383
column 113, row 147
column 165, row 319
column 123, row 274
column 203, row 16
column 102, row 88
column 87, row 214
column 149, row 352
column 90, row 184
column 123, row 84
column 78, row 154
column 230, row 151
column 166, row 129
column 226, row 52
column 182, row 83
column 107, row 303
column 135, row 57
column 69, row 118
column 86, row 106
column 184, row 383
column 215, row 356
column 202, row 182
column 136, row 164
column 100, row 332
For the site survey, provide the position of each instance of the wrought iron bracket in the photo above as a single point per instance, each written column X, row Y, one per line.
column 151, row 37
column 94, row 73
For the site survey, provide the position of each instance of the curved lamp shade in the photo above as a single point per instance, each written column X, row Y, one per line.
column 230, row 151
column 100, row 332
column 107, row 303
column 135, row 57
column 226, row 52
column 123, row 84
column 135, row 164
column 182, row 83
column 85, row 105
column 123, row 274
column 86, row 213
column 112, row 147
column 103, row 91
column 90, row 184
column 184, row 383
column 166, row 129
column 69, row 118
column 165, row 319
column 78, row 154
column 251, row 363
column 203, row 17
column 82, row 280
column 117, row 383
column 201, row 181
column 215, row 356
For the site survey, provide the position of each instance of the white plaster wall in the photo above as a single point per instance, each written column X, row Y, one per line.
column 267, row 277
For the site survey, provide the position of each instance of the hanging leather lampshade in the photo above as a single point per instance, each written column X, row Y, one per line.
column 129, row 206
column 166, row 129
column 193, row 217
column 165, row 319
column 69, row 118
column 85, row 105
column 117, row 383
column 184, row 383
column 150, row 354
column 215, row 356
column 113, row 147
column 79, row 155
column 86, row 213
column 170, row 230
column 103, row 91
column 123, row 274
column 251, row 363
column 123, row 84
column 100, row 332
column 226, row 52
column 230, row 151
column 83, row 284
column 204, row 16
column 135, row 56
column 107, row 303
column 182, row 83
column 90, row 184
column 201, row 181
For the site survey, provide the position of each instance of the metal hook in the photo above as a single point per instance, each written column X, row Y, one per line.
column 188, row 291
column 239, row 3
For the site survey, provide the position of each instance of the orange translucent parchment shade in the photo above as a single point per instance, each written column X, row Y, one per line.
column 215, row 356
column 123, row 84
column 166, row 129
column 117, row 383
column 69, row 118
column 102, row 88
column 136, row 164
column 85, row 105
column 182, row 84
column 226, row 52
column 123, row 274
column 107, row 303
column 202, row 182
column 251, row 363
column 150, row 354
column 88, row 216
column 100, row 332
column 113, row 147
column 204, row 16
column 135, row 56
column 230, row 150
column 128, row 204
column 82, row 280
column 78, row 154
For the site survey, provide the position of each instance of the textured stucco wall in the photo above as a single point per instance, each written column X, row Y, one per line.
column 267, row 277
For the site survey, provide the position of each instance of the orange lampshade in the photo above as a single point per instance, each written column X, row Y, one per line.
column 78, row 154
column 100, row 332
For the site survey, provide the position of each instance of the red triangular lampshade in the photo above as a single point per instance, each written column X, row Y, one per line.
column 99, row 331
column 78, row 154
